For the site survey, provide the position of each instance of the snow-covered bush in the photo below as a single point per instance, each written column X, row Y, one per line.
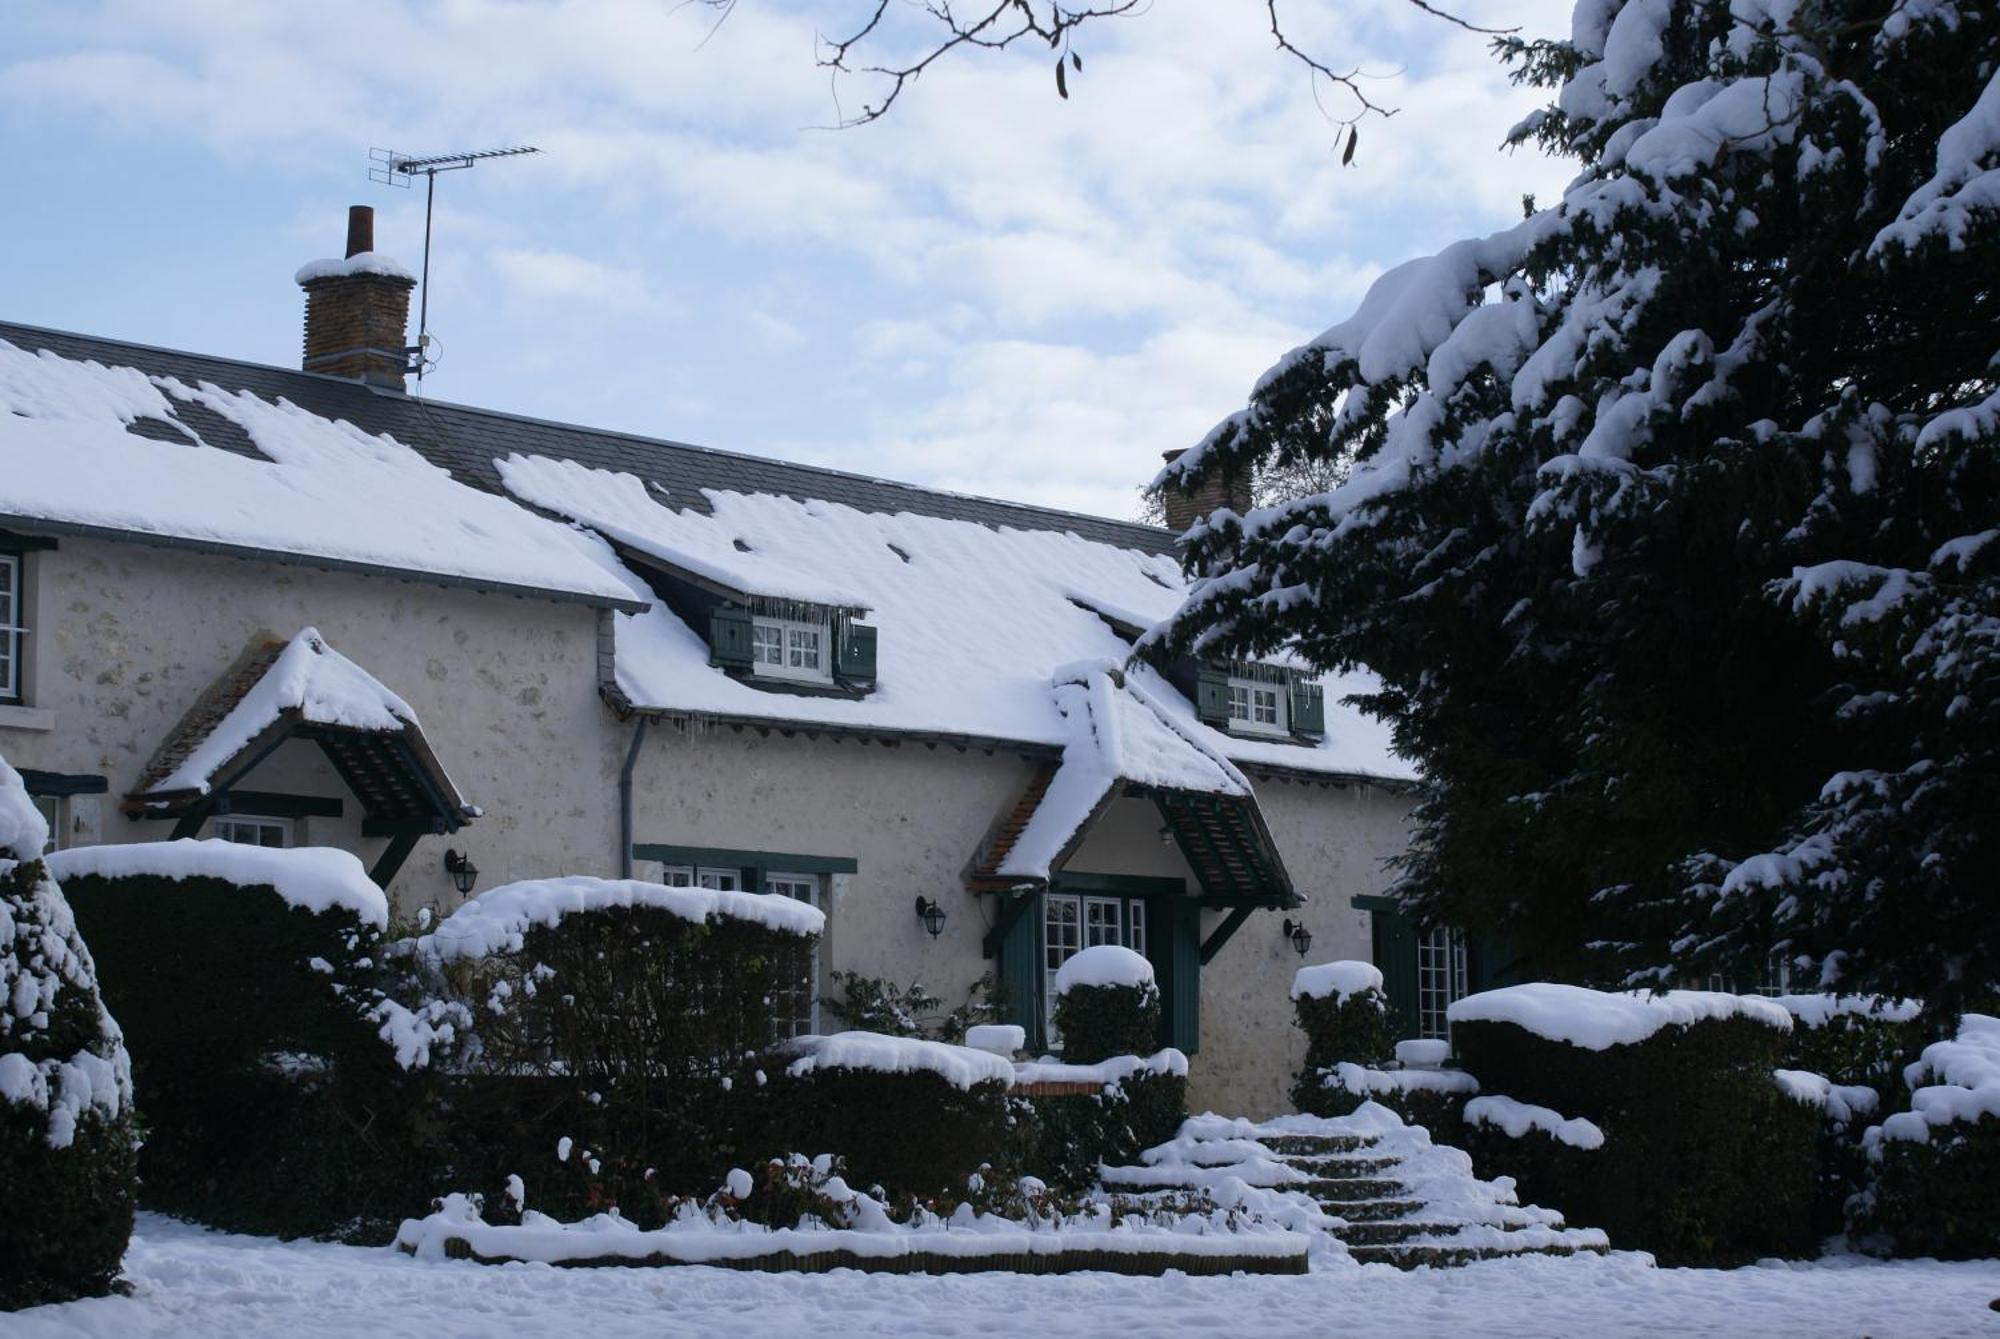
column 613, row 1021
column 249, row 982
column 1133, row 1103
column 1936, row 1165
column 1705, row 1159
column 1345, row 1014
column 1852, row 1039
column 67, row 1142
column 912, row 1116
column 1106, row 1005
column 876, row 1004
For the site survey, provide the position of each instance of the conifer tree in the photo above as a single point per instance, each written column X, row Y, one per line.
column 1671, row 521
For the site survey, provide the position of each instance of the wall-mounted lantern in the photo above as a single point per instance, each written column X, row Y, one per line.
column 931, row 914
column 1302, row 938
column 463, row 872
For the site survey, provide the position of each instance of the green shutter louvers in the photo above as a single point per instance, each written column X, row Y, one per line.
column 854, row 661
column 1211, row 697
column 729, row 638
column 1308, row 709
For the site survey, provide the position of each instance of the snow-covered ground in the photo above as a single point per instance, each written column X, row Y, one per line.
column 190, row 1282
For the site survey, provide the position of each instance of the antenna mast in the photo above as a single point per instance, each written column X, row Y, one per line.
column 395, row 169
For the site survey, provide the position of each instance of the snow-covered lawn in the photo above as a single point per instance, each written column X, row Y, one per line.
column 191, row 1282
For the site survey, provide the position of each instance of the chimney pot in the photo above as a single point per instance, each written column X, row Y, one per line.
column 360, row 229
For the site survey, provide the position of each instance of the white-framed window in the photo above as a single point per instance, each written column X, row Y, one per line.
column 799, row 1009
column 1073, row 922
column 1257, row 706
column 12, row 635
column 253, row 831
column 790, row 648
column 688, row 876
column 1441, row 978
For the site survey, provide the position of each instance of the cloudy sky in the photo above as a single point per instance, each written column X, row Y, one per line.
column 992, row 290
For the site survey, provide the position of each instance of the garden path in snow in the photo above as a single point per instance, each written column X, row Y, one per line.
column 195, row 1283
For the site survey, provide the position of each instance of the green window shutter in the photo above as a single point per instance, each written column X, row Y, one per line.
column 855, row 659
column 1395, row 945
column 1308, row 709
column 1211, row 698
column 1019, row 973
column 729, row 638
column 1177, row 963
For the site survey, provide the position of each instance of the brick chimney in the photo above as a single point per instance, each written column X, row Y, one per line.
column 358, row 310
column 1184, row 507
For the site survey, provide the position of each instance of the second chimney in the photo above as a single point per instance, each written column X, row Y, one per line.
column 358, row 310
column 1185, row 507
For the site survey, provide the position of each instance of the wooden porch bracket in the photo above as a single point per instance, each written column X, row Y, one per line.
column 392, row 858
column 1225, row 931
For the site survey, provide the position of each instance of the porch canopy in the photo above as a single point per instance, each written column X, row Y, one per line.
column 1123, row 743
column 304, row 689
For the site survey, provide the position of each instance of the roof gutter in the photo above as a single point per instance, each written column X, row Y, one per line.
column 253, row 553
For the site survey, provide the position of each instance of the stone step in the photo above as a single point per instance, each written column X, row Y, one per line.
column 1350, row 1190
column 1340, row 1166
column 1308, row 1144
column 1408, row 1255
column 1389, row 1231
column 1368, row 1211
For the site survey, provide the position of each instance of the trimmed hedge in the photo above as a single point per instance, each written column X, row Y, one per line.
column 270, row 1103
column 1706, row 1160
column 1851, row 1048
column 1434, row 1099
column 914, row 1134
column 628, row 1032
column 1938, row 1198
column 1360, row 1028
column 1099, row 1022
column 1064, row 1140
column 67, row 1159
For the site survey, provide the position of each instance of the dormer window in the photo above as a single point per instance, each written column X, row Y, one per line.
column 1257, row 707
column 793, row 647
column 789, row 648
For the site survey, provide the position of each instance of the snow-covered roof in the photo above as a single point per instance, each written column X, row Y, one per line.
column 974, row 621
column 1116, row 732
column 72, row 452
column 977, row 603
column 306, row 676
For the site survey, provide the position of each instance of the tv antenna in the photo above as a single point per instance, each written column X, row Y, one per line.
column 396, row 169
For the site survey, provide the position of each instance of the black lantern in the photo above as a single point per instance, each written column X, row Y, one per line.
column 931, row 914
column 463, row 872
column 1302, row 938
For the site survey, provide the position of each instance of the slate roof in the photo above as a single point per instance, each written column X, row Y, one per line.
column 467, row 440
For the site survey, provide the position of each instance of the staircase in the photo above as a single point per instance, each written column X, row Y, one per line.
column 1368, row 1186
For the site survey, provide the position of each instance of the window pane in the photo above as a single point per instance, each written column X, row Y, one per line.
column 1135, row 920
column 805, row 648
column 1440, row 979
column 798, row 1010
column 767, row 643
column 723, row 880
column 1101, row 922
column 51, row 809
column 1239, row 702
column 677, row 876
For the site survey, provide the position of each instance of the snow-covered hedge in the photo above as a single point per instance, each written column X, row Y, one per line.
column 67, row 1141
column 249, row 982
column 1704, row 1157
column 1106, row 1005
column 1936, row 1165
column 1853, row 1039
column 1131, row 1103
column 1342, row 1009
column 913, row 1116
column 613, row 1021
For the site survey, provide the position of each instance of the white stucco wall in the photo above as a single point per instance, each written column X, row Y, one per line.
column 127, row 637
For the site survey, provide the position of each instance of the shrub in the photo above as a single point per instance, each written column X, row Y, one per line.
column 1936, row 1164
column 917, row 1118
column 1711, row 1161
column 613, row 1022
column 875, row 1004
column 1432, row 1098
column 1106, row 1005
column 247, row 977
column 1549, row 1156
column 67, row 1144
column 1345, row 1015
column 1853, row 1041
column 1063, row 1140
